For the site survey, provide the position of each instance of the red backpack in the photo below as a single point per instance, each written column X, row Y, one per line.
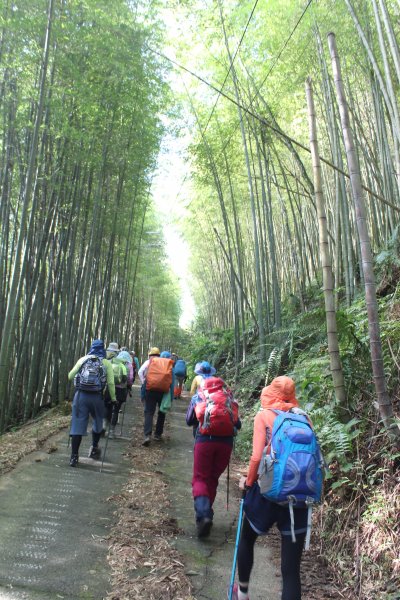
column 216, row 409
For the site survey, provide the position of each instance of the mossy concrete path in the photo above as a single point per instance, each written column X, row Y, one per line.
column 209, row 561
column 55, row 519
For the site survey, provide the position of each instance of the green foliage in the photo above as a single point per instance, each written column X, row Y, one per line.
column 336, row 438
column 273, row 364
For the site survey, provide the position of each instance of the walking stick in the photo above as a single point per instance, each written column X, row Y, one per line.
column 123, row 416
column 227, row 486
column 227, row 478
column 238, row 531
column 105, row 447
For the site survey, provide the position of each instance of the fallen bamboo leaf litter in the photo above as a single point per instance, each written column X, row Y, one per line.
column 143, row 562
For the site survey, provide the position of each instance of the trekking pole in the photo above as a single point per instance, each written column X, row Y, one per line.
column 227, row 477
column 123, row 416
column 227, row 487
column 105, row 447
column 238, row 531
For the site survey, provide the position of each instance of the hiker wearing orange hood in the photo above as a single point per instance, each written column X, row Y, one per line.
column 260, row 513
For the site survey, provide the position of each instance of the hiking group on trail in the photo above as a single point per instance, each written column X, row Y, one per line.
column 286, row 470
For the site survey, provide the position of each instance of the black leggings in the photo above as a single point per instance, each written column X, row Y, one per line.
column 290, row 560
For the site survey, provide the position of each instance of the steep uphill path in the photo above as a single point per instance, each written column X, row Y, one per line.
column 59, row 525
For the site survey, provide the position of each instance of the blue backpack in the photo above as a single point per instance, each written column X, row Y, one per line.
column 293, row 472
column 180, row 368
column 91, row 376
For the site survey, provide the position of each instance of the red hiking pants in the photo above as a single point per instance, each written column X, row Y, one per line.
column 210, row 461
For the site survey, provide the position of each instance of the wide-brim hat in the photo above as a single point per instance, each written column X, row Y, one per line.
column 113, row 347
column 204, row 368
column 154, row 351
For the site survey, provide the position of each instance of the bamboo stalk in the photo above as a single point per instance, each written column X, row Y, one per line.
column 384, row 402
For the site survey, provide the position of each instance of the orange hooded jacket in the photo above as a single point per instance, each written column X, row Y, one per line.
column 279, row 395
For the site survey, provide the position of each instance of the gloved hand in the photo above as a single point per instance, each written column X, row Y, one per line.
column 298, row 411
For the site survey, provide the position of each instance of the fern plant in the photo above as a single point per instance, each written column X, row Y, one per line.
column 273, row 364
column 336, row 438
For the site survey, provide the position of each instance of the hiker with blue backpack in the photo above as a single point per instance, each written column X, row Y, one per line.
column 283, row 482
column 91, row 374
column 180, row 373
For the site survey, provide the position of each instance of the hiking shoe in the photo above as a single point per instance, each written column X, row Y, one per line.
column 204, row 527
column 235, row 592
column 73, row 461
column 146, row 441
column 94, row 452
column 157, row 438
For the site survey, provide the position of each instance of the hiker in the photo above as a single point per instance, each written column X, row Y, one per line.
column 132, row 369
column 180, row 373
column 260, row 514
column 135, row 364
column 112, row 350
column 120, row 371
column 202, row 371
column 156, row 378
column 122, row 386
column 125, row 356
column 91, row 373
column 216, row 413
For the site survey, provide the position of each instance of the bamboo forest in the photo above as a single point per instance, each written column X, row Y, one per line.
column 219, row 180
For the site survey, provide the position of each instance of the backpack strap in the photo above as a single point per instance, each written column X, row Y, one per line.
column 89, row 357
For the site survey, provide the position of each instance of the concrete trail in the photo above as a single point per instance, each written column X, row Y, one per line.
column 209, row 561
column 54, row 520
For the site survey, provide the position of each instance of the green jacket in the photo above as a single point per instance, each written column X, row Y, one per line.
column 109, row 372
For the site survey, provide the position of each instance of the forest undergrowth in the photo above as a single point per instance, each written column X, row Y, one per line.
column 357, row 529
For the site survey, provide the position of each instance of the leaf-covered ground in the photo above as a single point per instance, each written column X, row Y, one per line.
column 30, row 437
column 143, row 562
